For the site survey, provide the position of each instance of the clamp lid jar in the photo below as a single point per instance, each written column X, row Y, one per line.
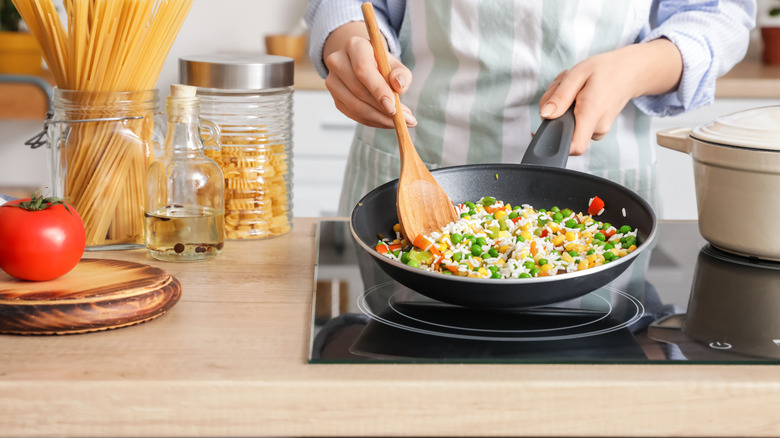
column 249, row 97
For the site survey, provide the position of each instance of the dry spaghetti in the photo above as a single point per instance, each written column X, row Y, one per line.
column 108, row 51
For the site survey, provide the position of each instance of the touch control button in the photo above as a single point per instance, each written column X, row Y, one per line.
column 720, row 345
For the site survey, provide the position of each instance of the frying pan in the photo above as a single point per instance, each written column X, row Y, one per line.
column 540, row 181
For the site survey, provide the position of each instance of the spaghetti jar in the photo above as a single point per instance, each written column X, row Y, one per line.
column 250, row 99
column 101, row 144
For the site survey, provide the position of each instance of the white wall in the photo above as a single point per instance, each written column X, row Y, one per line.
column 229, row 25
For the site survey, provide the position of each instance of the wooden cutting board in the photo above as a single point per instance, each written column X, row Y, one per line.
column 97, row 294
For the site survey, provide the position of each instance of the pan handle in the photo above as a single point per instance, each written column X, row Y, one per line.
column 552, row 141
column 677, row 139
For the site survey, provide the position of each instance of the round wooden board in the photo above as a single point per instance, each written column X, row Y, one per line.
column 97, row 294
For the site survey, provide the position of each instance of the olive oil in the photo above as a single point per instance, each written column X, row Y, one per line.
column 184, row 233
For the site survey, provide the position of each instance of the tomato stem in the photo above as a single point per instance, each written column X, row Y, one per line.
column 37, row 202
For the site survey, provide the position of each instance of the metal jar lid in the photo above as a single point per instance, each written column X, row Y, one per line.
column 236, row 71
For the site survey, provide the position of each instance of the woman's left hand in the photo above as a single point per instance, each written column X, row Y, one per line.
column 603, row 84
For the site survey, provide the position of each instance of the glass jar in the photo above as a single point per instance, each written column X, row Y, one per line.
column 185, row 207
column 101, row 145
column 250, row 99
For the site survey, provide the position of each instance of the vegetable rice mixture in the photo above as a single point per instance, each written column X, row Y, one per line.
column 495, row 240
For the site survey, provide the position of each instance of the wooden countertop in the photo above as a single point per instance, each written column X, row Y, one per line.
column 231, row 359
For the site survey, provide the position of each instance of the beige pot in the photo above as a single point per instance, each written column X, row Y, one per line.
column 736, row 165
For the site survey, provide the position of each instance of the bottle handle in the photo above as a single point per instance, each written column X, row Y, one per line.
column 212, row 135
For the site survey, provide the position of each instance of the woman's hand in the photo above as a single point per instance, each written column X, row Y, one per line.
column 358, row 89
column 603, row 84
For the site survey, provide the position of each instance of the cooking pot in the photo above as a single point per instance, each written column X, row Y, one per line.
column 736, row 166
column 732, row 310
column 540, row 181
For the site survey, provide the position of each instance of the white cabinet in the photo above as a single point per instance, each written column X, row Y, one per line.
column 322, row 136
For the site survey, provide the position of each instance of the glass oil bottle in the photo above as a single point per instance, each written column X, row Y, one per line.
column 185, row 208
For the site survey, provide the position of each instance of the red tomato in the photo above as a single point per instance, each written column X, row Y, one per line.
column 40, row 244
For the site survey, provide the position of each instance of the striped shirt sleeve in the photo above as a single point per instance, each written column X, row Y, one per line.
column 324, row 16
column 712, row 37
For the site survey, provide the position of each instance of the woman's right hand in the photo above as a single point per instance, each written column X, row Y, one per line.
column 358, row 89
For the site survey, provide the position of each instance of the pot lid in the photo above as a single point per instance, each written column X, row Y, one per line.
column 236, row 71
column 757, row 128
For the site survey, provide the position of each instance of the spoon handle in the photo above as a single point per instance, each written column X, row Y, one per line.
column 376, row 38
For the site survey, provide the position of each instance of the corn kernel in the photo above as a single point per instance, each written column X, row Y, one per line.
column 599, row 259
column 473, row 275
column 631, row 248
column 558, row 239
column 396, row 241
column 503, row 248
column 500, row 214
column 615, row 251
column 482, row 271
column 591, row 259
column 570, row 246
column 566, row 257
column 587, row 234
column 526, row 226
column 448, row 255
column 553, row 226
column 622, row 253
column 571, row 236
column 445, row 238
column 584, row 264
column 504, row 234
column 546, row 267
column 525, row 234
column 500, row 263
column 442, row 247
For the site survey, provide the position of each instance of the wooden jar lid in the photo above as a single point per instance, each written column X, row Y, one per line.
column 98, row 294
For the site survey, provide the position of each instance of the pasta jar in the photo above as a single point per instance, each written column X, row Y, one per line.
column 250, row 99
column 101, row 144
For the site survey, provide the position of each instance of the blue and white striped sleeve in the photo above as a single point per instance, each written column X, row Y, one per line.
column 712, row 37
column 324, row 16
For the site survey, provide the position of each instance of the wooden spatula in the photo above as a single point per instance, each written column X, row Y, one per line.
column 422, row 205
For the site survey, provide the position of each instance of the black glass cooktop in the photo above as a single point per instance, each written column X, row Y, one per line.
column 696, row 304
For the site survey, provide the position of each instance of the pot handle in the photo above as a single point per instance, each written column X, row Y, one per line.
column 552, row 141
column 678, row 139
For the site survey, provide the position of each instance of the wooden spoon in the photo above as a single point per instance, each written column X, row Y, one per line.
column 422, row 205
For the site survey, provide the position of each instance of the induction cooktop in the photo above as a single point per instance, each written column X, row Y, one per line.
column 697, row 305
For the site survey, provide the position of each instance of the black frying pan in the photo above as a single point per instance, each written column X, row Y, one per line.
column 533, row 183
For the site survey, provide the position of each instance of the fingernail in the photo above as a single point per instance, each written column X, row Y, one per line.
column 547, row 109
column 388, row 105
column 410, row 120
column 401, row 80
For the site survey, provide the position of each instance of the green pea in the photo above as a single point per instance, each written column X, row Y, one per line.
column 605, row 226
column 481, row 241
column 542, row 222
column 476, row 250
column 517, row 207
column 625, row 229
column 591, row 251
column 468, row 237
column 495, row 275
column 493, row 269
column 599, row 236
column 529, row 264
column 566, row 212
column 397, row 252
column 543, row 262
column 456, row 238
column 525, row 275
column 558, row 217
column 413, row 263
column 538, row 232
column 513, row 215
column 579, row 227
column 493, row 252
column 472, row 212
column 484, row 256
column 458, row 256
column 470, row 205
column 503, row 225
column 555, row 209
column 570, row 223
column 608, row 246
column 609, row 256
column 446, row 272
column 574, row 253
column 520, row 239
column 488, row 200
column 534, row 272
column 464, row 214
column 405, row 257
column 492, row 233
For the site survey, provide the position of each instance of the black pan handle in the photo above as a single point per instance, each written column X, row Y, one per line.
column 552, row 141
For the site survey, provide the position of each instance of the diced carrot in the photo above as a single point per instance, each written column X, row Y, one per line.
column 382, row 248
column 422, row 242
column 395, row 246
column 609, row 232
